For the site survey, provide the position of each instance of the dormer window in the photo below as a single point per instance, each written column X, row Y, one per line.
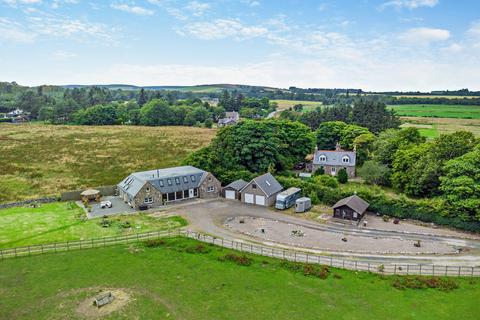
column 177, row 180
column 160, row 182
column 185, row 179
column 322, row 158
column 169, row 181
column 346, row 159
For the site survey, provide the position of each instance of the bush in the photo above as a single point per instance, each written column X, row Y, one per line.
column 240, row 260
column 308, row 269
column 342, row 176
column 152, row 243
column 419, row 282
column 319, row 172
column 199, row 248
column 326, row 180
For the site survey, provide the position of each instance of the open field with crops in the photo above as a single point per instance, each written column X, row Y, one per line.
column 65, row 221
column 432, row 127
column 39, row 160
column 437, row 110
column 307, row 105
column 183, row 279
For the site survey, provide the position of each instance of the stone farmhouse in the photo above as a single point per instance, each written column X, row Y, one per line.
column 231, row 118
column 154, row 188
column 261, row 191
column 334, row 160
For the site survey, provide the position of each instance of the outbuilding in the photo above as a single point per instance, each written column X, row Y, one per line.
column 232, row 191
column 350, row 208
column 261, row 191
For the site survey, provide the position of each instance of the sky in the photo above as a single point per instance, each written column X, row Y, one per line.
column 375, row 45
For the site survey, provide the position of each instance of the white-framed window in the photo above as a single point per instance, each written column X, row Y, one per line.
column 148, row 200
column 161, row 183
column 169, row 181
column 185, row 179
column 322, row 158
column 192, row 177
column 177, row 180
column 334, row 170
column 210, row 189
column 346, row 159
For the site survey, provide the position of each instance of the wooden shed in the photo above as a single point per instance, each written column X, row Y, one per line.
column 90, row 194
column 350, row 208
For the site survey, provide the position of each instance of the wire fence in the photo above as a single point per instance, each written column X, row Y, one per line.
column 285, row 254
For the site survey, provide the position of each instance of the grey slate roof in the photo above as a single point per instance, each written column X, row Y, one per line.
column 165, row 180
column 268, row 184
column 354, row 202
column 237, row 184
column 334, row 158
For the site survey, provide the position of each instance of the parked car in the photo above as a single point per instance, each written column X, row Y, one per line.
column 105, row 204
column 299, row 166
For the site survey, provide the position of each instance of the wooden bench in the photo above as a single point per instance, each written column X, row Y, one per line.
column 103, row 299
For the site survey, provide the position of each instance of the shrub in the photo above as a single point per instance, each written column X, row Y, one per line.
column 199, row 248
column 385, row 218
column 319, row 172
column 308, row 269
column 342, row 176
column 240, row 260
column 419, row 282
column 152, row 243
column 326, row 180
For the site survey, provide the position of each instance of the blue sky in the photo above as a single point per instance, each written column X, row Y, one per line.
column 369, row 44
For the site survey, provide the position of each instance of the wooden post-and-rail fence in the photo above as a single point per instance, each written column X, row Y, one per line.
column 285, row 254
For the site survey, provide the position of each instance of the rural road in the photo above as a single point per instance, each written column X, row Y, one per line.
column 210, row 217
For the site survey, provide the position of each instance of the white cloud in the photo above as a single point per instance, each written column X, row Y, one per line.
column 454, row 48
column 409, row 4
column 63, row 55
column 474, row 29
column 251, row 3
column 223, row 28
column 424, row 35
column 11, row 31
column 15, row 3
column 132, row 9
column 197, row 8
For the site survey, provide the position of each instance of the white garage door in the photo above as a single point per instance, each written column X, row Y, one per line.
column 229, row 194
column 248, row 198
column 260, row 200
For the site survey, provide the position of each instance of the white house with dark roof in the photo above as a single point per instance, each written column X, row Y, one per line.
column 334, row 160
column 231, row 118
column 261, row 191
column 154, row 188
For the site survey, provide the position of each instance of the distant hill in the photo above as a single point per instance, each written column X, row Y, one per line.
column 204, row 88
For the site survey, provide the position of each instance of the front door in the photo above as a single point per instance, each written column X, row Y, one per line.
column 190, row 193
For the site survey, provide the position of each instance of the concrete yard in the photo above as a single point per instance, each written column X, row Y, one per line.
column 118, row 207
column 281, row 232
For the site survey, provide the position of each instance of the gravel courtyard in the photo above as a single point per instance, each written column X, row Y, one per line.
column 281, row 232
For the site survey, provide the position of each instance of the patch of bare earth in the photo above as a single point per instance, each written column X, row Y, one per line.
column 88, row 310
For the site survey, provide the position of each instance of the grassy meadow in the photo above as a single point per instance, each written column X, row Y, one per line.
column 437, row 110
column 65, row 221
column 432, row 127
column 307, row 105
column 183, row 279
column 39, row 160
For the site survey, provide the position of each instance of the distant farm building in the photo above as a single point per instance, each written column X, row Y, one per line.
column 231, row 118
column 333, row 161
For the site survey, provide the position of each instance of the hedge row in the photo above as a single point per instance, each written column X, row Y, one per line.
column 431, row 210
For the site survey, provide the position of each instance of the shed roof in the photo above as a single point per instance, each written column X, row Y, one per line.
column 267, row 183
column 237, row 184
column 353, row 202
column 90, row 192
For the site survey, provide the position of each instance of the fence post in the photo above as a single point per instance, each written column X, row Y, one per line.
column 369, row 267
column 28, row 250
column 446, row 271
column 55, row 247
column 15, row 252
column 67, row 246
column 472, row 271
column 92, row 242
column 459, row 268
column 408, row 269
column 307, row 257
column 331, row 262
column 356, row 268
column 295, row 256
column 420, row 269
column 42, row 248
column 433, row 270
column 104, row 244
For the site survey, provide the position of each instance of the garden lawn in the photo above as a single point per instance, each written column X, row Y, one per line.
column 38, row 160
column 62, row 221
column 168, row 282
column 437, row 110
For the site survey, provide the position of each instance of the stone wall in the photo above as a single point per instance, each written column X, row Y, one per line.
column 328, row 169
column 27, row 202
column 148, row 191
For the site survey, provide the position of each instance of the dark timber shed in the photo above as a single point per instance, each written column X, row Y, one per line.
column 351, row 208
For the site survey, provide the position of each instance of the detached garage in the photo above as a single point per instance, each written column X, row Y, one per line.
column 232, row 191
column 261, row 191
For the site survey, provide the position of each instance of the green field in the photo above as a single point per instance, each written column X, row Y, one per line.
column 307, row 105
column 62, row 221
column 437, row 110
column 38, row 160
column 182, row 279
